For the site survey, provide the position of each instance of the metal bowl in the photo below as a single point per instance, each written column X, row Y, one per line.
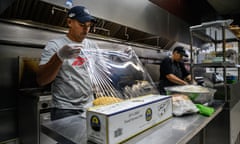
column 197, row 94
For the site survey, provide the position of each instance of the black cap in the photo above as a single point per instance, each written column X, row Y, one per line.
column 180, row 50
column 81, row 14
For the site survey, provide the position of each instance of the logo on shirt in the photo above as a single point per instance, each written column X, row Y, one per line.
column 79, row 61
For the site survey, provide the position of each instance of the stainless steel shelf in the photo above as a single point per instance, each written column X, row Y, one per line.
column 216, row 64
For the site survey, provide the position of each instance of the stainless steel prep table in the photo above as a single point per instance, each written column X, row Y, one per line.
column 177, row 130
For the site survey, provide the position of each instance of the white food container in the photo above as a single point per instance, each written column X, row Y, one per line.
column 118, row 122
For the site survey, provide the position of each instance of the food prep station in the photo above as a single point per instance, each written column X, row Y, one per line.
column 186, row 129
column 20, row 55
column 193, row 128
column 179, row 130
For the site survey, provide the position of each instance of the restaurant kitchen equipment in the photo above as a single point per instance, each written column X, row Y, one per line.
column 34, row 102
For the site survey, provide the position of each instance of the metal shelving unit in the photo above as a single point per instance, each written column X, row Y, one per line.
column 216, row 35
column 210, row 43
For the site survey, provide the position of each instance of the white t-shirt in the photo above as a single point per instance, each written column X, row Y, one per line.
column 72, row 87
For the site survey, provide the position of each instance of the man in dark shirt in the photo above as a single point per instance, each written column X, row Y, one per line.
column 173, row 71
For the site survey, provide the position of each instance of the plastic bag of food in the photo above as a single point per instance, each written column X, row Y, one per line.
column 183, row 105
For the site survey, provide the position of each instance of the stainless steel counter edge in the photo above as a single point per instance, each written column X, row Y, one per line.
column 186, row 138
column 177, row 130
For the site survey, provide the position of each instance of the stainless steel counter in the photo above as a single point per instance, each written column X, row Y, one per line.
column 177, row 130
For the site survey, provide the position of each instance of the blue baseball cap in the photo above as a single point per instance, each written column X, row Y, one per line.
column 81, row 14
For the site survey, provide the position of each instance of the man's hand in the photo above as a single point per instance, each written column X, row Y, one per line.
column 173, row 78
column 69, row 51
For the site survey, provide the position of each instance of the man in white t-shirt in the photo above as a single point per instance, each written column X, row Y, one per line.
column 63, row 64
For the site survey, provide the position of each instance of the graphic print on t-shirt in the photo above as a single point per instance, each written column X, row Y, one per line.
column 79, row 61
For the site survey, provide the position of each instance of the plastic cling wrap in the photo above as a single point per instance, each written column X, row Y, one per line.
column 117, row 74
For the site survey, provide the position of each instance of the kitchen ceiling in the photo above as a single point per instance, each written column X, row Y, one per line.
column 195, row 12
column 226, row 7
column 198, row 11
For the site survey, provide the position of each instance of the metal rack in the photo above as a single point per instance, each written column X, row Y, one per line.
column 216, row 36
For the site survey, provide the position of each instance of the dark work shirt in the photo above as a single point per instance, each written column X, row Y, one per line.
column 168, row 66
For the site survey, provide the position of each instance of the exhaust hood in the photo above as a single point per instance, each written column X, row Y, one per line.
column 43, row 14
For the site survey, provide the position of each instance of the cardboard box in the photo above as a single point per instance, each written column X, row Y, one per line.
column 118, row 122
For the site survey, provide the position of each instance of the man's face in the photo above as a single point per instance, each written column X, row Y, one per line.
column 177, row 56
column 78, row 31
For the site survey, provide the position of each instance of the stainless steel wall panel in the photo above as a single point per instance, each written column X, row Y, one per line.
column 138, row 14
column 9, row 72
column 217, row 131
column 234, row 123
column 23, row 34
column 4, row 4
column 8, row 87
column 178, row 29
column 153, row 70
column 8, row 124
column 8, row 84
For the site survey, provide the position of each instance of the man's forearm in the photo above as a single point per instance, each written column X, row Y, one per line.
column 176, row 80
column 48, row 72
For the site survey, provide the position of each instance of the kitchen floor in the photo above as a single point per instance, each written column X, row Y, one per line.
column 44, row 139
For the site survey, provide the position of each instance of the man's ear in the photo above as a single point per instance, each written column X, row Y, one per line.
column 69, row 22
